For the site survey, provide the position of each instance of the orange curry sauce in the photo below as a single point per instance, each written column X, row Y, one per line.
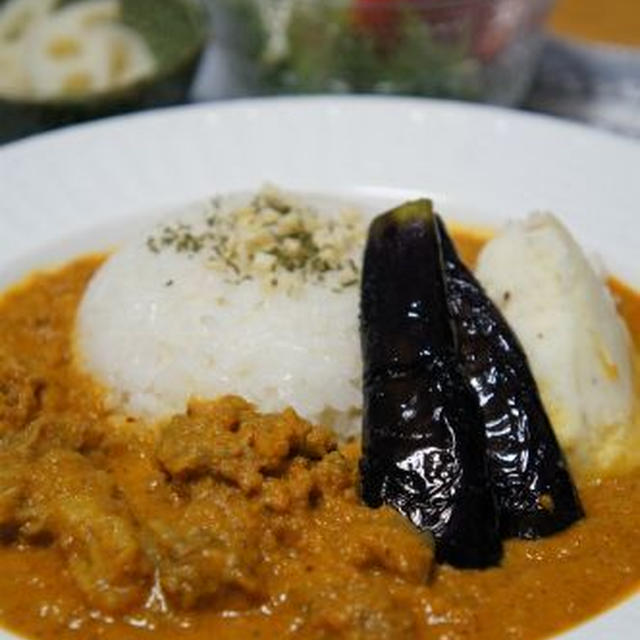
column 350, row 585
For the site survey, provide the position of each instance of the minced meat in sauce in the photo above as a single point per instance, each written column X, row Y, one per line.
column 229, row 523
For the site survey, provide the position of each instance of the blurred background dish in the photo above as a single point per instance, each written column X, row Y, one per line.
column 590, row 66
column 64, row 61
column 579, row 59
column 482, row 50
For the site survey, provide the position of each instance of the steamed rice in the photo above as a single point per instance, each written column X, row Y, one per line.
column 162, row 322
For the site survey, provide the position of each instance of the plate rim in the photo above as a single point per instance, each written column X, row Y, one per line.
column 278, row 101
column 595, row 628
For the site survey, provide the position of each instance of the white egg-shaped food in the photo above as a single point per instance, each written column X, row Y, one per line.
column 577, row 344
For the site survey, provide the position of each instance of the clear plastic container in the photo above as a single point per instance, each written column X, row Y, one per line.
column 482, row 50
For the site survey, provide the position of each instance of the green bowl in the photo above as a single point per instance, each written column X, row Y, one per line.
column 176, row 32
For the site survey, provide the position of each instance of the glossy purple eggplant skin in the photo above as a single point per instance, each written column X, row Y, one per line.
column 423, row 444
column 530, row 478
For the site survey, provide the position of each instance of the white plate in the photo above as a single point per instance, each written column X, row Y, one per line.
column 84, row 188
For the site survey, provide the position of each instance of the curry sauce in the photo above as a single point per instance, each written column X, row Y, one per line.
column 229, row 523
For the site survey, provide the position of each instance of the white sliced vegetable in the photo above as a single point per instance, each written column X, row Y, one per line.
column 17, row 16
column 577, row 344
column 130, row 58
column 89, row 13
column 80, row 49
column 64, row 58
column 72, row 51
column 13, row 81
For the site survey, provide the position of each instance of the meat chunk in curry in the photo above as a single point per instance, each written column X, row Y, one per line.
column 230, row 510
column 229, row 523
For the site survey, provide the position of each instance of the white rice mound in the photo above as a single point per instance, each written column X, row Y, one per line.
column 158, row 327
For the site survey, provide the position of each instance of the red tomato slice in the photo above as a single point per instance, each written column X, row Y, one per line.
column 381, row 18
column 378, row 17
